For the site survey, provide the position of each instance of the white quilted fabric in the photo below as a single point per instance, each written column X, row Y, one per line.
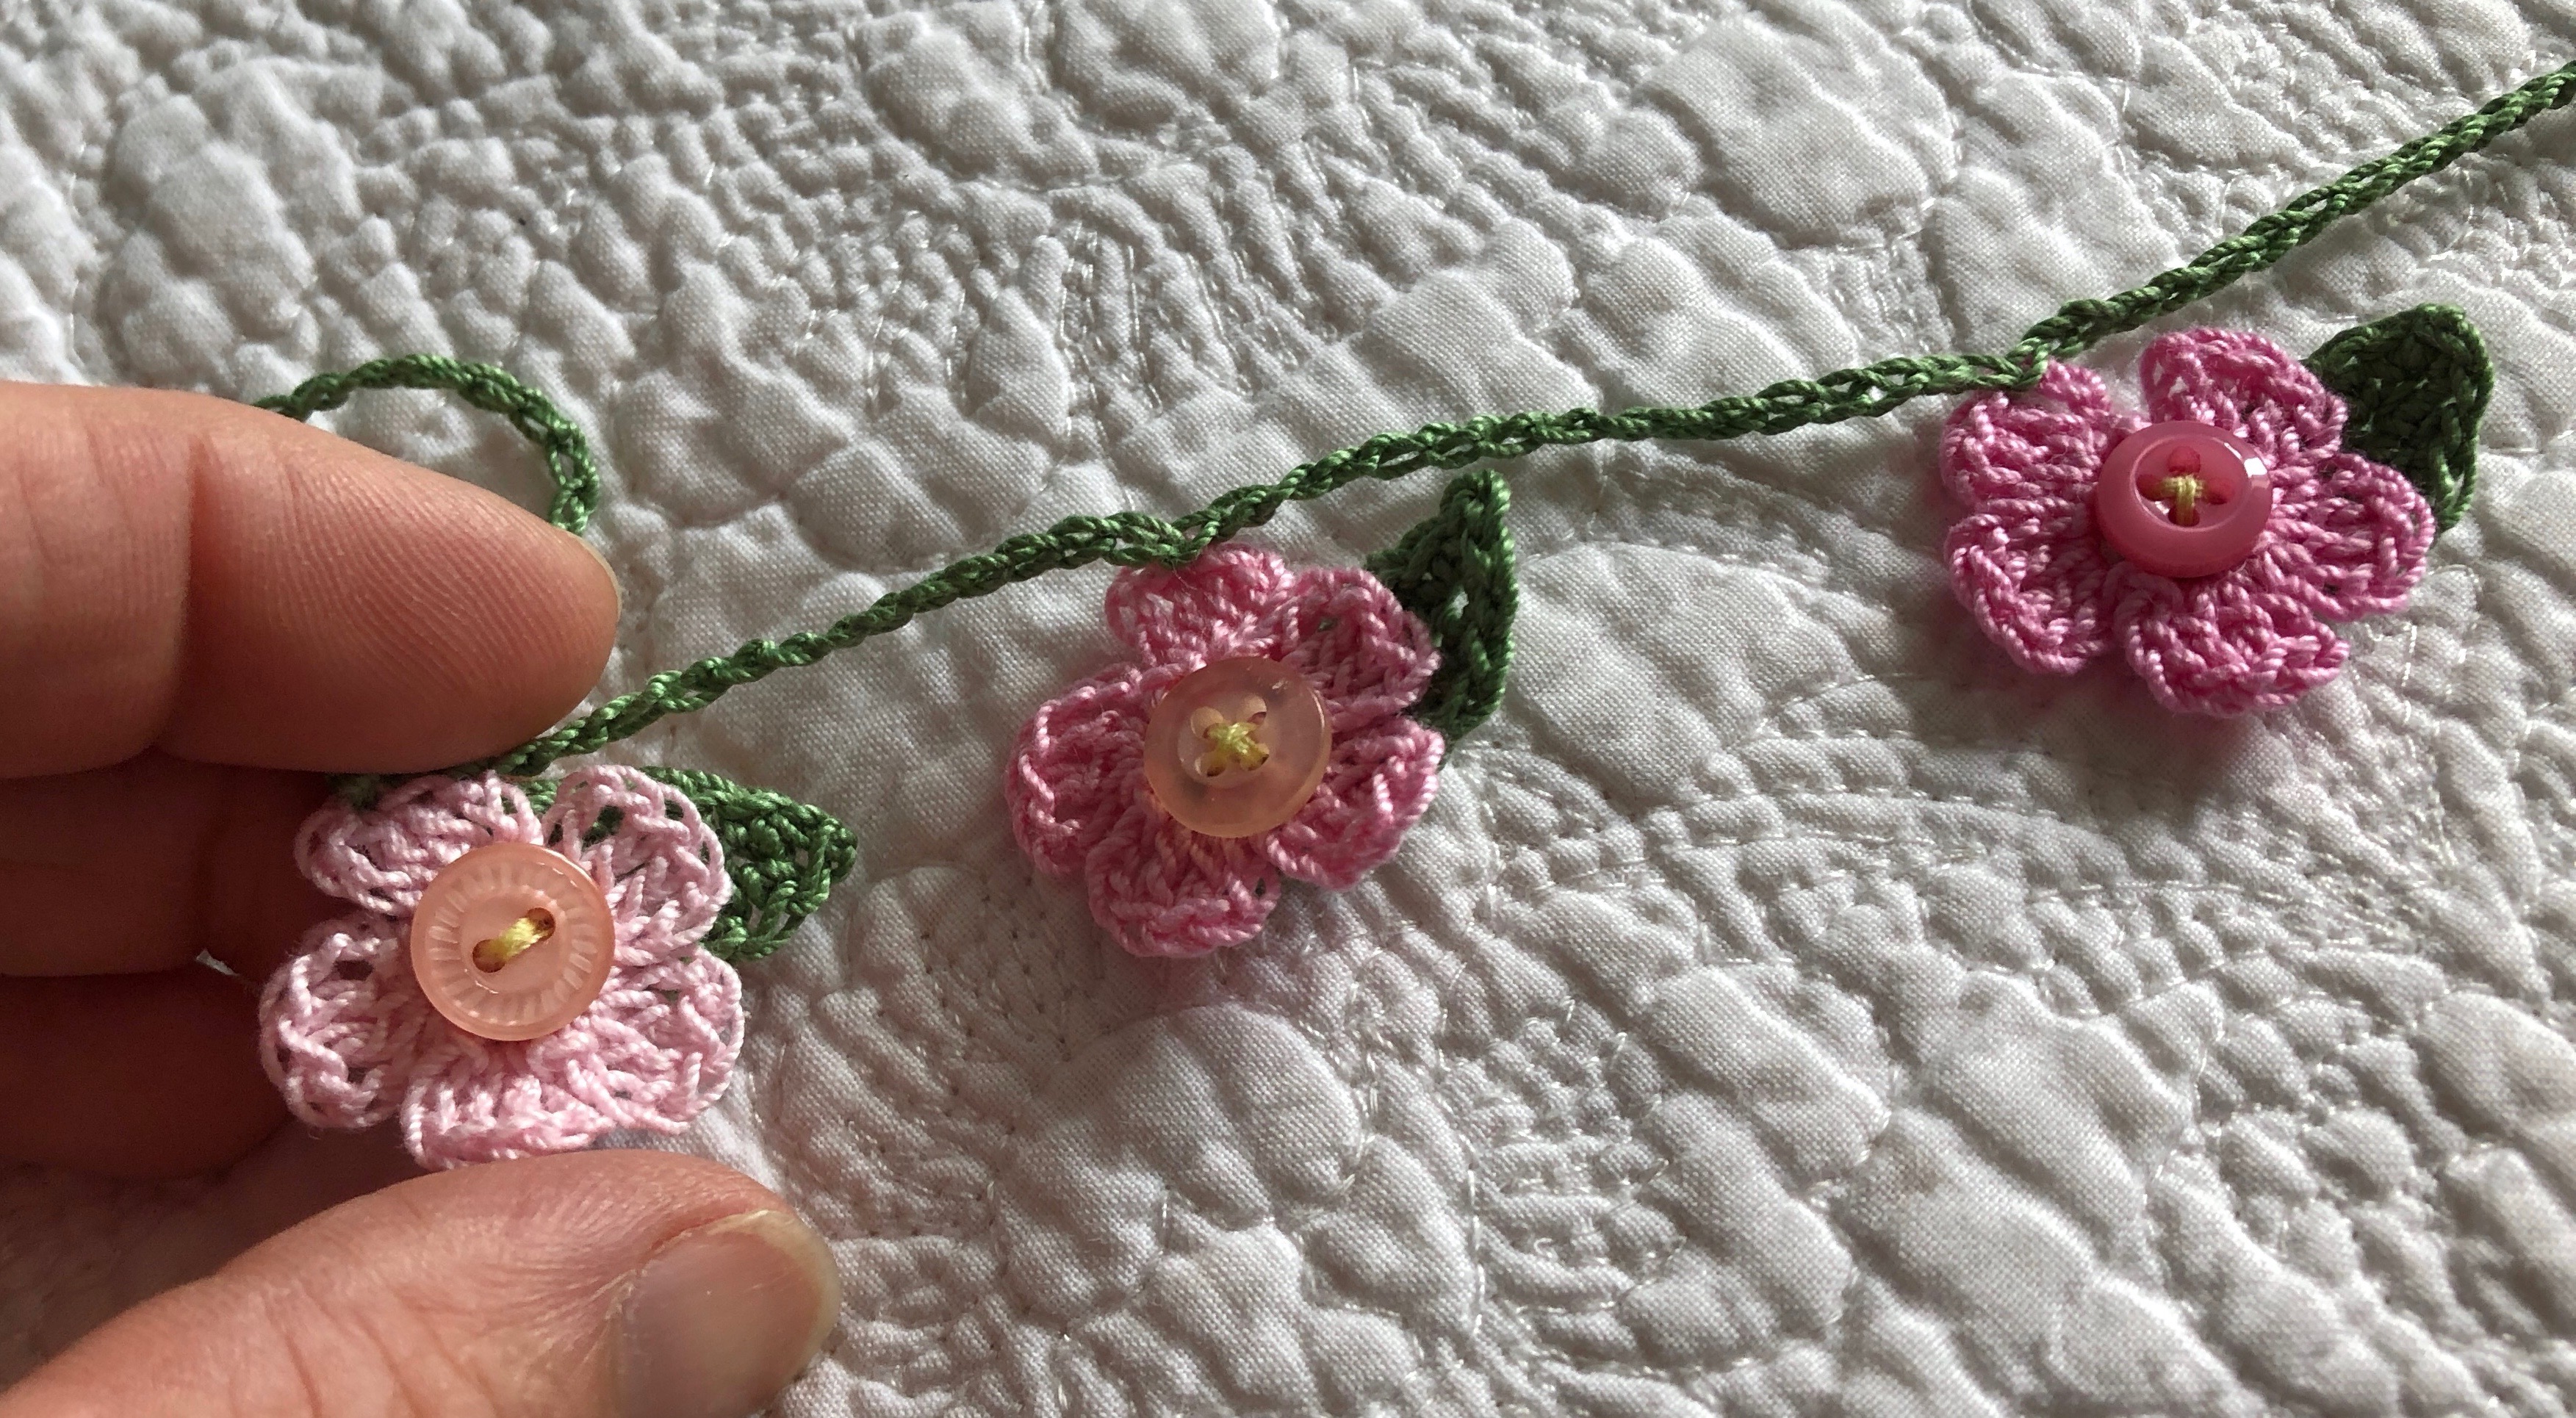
column 1787, row 1008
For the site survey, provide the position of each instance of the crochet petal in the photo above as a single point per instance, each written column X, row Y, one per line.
column 650, row 1054
column 1364, row 652
column 1204, row 611
column 1079, row 765
column 2032, row 572
column 2349, row 541
column 384, row 857
column 1377, row 787
column 342, row 1023
column 655, row 858
column 2222, row 645
column 2251, row 387
column 1162, row 890
column 2047, row 441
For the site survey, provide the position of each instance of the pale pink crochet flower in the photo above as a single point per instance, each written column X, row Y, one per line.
column 1076, row 784
column 2347, row 536
column 351, row 1041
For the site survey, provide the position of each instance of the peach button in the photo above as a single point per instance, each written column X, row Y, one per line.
column 512, row 941
column 2183, row 499
column 1236, row 748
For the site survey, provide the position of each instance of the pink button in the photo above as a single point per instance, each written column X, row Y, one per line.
column 512, row 941
column 1236, row 748
column 2183, row 499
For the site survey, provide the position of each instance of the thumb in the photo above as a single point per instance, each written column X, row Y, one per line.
column 616, row 1284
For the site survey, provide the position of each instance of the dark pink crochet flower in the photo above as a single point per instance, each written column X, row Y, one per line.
column 1076, row 785
column 351, row 1041
column 2346, row 536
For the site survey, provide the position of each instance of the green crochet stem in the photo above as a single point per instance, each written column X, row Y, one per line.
column 1132, row 538
column 487, row 387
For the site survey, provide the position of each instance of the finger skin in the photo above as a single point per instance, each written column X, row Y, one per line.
column 493, row 1290
column 141, row 866
column 100, row 1251
column 130, row 872
column 132, row 1076
column 237, row 587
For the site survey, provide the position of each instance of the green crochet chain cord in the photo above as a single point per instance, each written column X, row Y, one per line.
column 1135, row 538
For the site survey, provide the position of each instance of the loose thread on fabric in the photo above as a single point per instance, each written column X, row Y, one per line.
column 1136, row 538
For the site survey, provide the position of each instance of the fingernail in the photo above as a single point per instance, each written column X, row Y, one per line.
column 722, row 1317
column 616, row 586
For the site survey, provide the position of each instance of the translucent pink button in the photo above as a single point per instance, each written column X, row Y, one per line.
column 1236, row 748
column 512, row 941
column 2183, row 499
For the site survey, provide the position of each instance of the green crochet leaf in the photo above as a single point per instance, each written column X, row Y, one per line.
column 2418, row 382
column 784, row 856
column 1455, row 571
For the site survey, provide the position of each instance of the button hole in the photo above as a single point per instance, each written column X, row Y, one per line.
column 523, row 935
column 1232, row 746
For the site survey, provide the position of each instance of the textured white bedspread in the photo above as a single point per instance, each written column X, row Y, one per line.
column 1787, row 1007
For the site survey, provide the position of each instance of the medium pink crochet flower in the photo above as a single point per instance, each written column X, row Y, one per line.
column 1076, row 785
column 351, row 1041
column 2346, row 536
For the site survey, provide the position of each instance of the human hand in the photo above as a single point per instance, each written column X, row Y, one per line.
column 201, row 605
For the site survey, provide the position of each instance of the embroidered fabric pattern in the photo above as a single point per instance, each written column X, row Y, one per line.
column 351, row 1042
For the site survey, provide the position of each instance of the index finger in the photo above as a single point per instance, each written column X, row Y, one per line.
column 226, row 584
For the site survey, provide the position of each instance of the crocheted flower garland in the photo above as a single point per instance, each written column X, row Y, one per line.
column 1271, row 723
